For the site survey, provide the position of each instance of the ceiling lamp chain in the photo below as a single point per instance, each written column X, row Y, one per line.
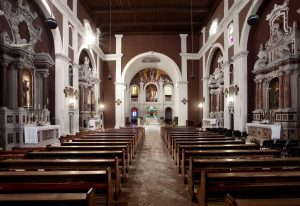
column 110, row 76
column 192, row 37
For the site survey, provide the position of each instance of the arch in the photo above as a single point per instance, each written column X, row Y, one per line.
column 166, row 64
column 136, row 94
column 91, row 56
column 210, row 56
column 246, row 28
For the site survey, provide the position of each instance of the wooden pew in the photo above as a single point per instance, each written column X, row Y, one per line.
column 284, row 201
column 94, row 148
column 207, row 142
column 83, row 155
column 49, row 199
column 58, row 181
column 196, row 138
column 188, row 136
column 103, row 143
column 197, row 166
column 244, row 184
column 215, row 154
column 133, row 138
column 178, row 156
column 66, row 164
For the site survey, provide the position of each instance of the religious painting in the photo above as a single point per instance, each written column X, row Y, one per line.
column 151, row 93
column 274, row 94
column 27, row 88
column 151, row 75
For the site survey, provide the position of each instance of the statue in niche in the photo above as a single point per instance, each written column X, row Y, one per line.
column 262, row 61
column 26, row 93
column 274, row 94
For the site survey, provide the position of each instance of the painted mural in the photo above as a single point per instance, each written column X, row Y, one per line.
column 151, row 75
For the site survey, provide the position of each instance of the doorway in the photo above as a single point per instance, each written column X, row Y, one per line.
column 168, row 115
column 232, row 121
column 134, row 115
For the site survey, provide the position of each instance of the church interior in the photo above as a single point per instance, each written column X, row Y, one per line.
column 150, row 102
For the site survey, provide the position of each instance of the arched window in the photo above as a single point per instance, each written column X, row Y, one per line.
column 231, row 75
column 134, row 91
column 213, row 27
column 168, row 92
column 71, row 76
column 230, row 35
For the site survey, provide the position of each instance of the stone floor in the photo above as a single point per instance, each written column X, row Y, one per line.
column 153, row 179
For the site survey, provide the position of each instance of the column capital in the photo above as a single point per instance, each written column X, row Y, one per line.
column 62, row 57
column 183, row 35
column 241, row 54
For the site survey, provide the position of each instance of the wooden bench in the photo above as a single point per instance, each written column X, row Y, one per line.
column 189, row 136
column 83, row 155
column 197, row 166
column 284, row 201
column 178, row 156
column 66, row 164
column 207, row 142
column 196, row 138
column 248, row 184
column 104, row 143
column 49, row 199
column 58, row 181
column 215, row 154
column 95, row 148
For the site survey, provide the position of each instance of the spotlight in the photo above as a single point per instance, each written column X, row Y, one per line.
column 51, row 23
column 252, row 19
column 109, row 77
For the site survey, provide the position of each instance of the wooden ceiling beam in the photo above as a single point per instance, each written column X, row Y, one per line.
column 157, row 23
column 149, row 9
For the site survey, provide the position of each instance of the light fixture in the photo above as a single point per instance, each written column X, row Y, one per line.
column 101, row 106
column 200, row 105
column 51, row 22
column 253, row 18
column 90, row 39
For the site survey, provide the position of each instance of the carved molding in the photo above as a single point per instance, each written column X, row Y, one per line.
column 22, row 14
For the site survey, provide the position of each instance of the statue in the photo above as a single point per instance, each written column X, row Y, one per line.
column 26, row 93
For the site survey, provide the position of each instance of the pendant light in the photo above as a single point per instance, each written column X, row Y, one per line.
column 192, row 36
column 109, row 77
column 51, row 22
column 253, row 18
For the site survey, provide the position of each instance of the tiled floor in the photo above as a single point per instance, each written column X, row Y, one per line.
column 153, row 179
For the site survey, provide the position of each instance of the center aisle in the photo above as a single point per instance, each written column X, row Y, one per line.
column 153, row 178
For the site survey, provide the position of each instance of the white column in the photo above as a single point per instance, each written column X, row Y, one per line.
column 226, row 86
column 241, row 99
column 76, row 87
column 61, row 113
column 203, row 31
column 119, row 85
column 183, row 84
column 225, row 7
column 206, row 95
column 182, row 108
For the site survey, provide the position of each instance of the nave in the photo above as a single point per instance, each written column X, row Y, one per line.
column 153, row 179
